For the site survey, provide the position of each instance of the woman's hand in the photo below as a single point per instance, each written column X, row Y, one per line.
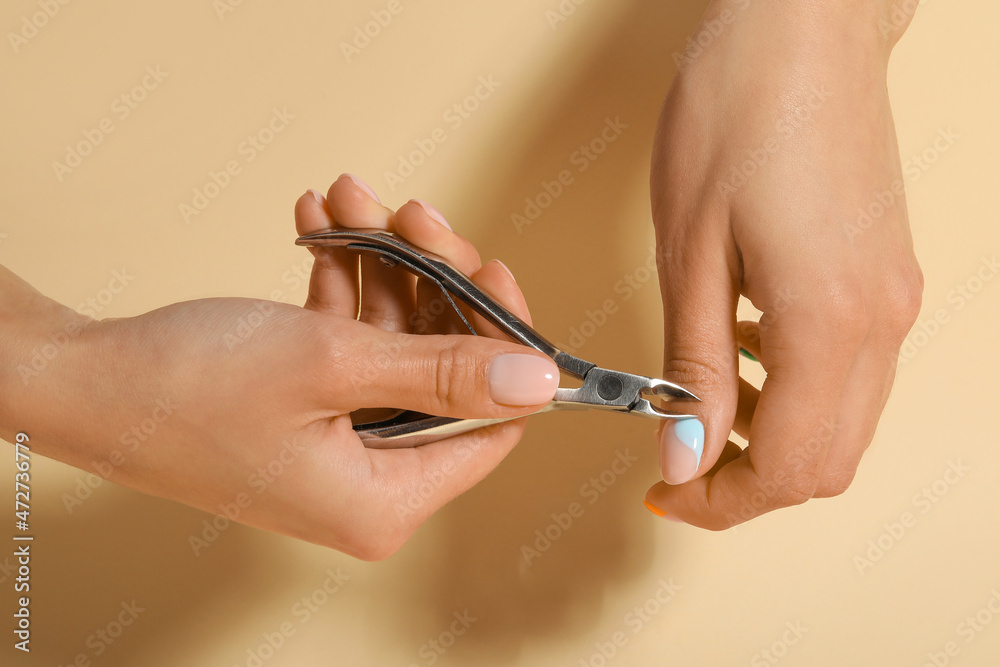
column 776, row 175
column 241, row 406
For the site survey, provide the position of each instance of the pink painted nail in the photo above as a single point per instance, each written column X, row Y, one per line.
column 507, row 269
column 364, row 186
column 433, row 212
column 522, row 379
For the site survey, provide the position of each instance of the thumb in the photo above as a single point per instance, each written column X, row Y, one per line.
column 468, row 377
column 700, row 291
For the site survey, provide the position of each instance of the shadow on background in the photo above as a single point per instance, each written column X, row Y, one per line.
column 88, row 564
column 567, row 262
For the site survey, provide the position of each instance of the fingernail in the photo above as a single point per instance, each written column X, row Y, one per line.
column 522, row 379
column 660, row 513
column 364, row 186
column 433, row 212
column 507, row 269
column 653, row 508
column 317, row 196
column 747, row 354
column 681, row 446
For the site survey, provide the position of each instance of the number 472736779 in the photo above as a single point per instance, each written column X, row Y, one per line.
column 22, row 461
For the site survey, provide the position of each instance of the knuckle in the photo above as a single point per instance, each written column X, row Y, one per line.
column 834, row 484
column 904, row 297
column 847, row 309
column 449, row 375
column 796, row 490
column 689, row 372
column 373, row 312
column 379, row 545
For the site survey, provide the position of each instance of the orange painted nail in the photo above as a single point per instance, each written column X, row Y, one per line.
column 653, row 508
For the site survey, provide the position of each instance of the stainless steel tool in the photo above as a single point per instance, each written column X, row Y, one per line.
column 602, row 389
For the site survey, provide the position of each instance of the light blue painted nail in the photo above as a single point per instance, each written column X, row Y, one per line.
column 691, row 433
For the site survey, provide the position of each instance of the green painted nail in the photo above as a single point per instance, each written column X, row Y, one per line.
column 748, row 355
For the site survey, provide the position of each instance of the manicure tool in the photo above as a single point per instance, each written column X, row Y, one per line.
column 602, row 389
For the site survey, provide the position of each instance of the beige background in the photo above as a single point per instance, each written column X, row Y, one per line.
column 120, row 210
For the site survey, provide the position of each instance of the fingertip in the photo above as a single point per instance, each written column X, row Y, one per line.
column 433, row 213
column 367, row 189
column 353, row 203
column 310, row 213
column 415, row 224
column 510, row 274
column 702, row 438
column 653, row 502
column 521, row 380
column 682, row 444
column 654, row 509
column 318, row 197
